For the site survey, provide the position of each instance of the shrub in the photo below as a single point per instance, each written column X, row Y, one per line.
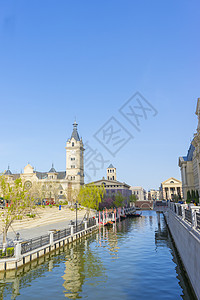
column 31, row 215
column 10, row 251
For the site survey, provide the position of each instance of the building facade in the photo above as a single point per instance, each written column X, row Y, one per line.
column 56, row 185
column 112, row 186
column 190, row 164
column 154, row 195
column 139, row 192
column 171, row 188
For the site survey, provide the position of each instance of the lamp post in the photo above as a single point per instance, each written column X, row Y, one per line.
column 17, row 236
column 76, row 213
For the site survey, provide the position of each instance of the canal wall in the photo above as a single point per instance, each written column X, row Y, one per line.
column 187, row 239
column 24, row 253
column 30, row 250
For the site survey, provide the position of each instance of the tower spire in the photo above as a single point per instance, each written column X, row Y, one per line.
column 75, row 134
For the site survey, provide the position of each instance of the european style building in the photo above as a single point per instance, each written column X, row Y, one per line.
column 56, row 185
column 171, row 188
column 112, row 186
column 190, row 164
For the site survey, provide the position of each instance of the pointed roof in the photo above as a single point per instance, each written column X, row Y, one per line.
column 111, row 166
column 52, row 170
column 8, row 172
column 75, row 134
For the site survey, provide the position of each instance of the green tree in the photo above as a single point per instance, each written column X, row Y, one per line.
column 176, row 198
column 189, row 197
column 196, row 196
column 193, row 195
column 119, row 200
column 19, row 200
column 90, row 196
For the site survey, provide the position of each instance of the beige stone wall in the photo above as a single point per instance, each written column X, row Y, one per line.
column 75, row 162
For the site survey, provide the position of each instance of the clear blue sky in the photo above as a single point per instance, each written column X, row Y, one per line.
column 61, row 59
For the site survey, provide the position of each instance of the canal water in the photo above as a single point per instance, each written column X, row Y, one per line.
column 136, row 259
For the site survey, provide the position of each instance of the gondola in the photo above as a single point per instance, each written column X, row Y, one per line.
column 135, row 215
column 123, row 217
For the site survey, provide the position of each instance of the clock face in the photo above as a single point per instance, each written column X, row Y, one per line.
column 73, row 152
column 28, row 184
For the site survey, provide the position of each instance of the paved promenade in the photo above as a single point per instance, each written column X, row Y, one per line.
column 46, row 218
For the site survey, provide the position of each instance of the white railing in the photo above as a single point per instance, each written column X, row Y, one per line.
column 187, row 212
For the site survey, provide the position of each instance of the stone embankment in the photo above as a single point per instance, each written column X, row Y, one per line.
column 184, row 225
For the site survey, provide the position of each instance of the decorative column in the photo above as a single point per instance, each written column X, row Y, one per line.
column 185, row 174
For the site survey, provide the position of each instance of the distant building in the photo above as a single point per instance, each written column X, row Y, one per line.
column 112, row 186
column 154, row 195
column 189, row 172
column 171, row 187
column 190, row 164
column 111, row 173
column 139, row 192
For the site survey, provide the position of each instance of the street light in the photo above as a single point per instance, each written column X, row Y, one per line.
column 76, row 206
column 17, row 235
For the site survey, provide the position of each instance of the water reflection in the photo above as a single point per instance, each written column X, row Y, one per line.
column 12, row 282
column 81, row 264
column 117, row 262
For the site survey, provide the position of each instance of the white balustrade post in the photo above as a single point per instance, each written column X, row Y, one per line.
column 17, row 245
column 72, row 229
column 50, row 232
column 85, row 222
column 97, row 221
column 183, row 212
column 194, row 217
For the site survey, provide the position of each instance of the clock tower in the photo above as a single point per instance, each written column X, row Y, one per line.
column 74, row 160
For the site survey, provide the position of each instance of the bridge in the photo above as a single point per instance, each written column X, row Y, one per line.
column 147, row 204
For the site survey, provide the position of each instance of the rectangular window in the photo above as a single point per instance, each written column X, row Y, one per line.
column 72, row 166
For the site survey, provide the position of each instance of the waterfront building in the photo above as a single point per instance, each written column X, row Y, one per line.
column 56, row 185
column 171, row 188
column 112, row 186
column 190, row 164
column 139, row 192
column 154, row 195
